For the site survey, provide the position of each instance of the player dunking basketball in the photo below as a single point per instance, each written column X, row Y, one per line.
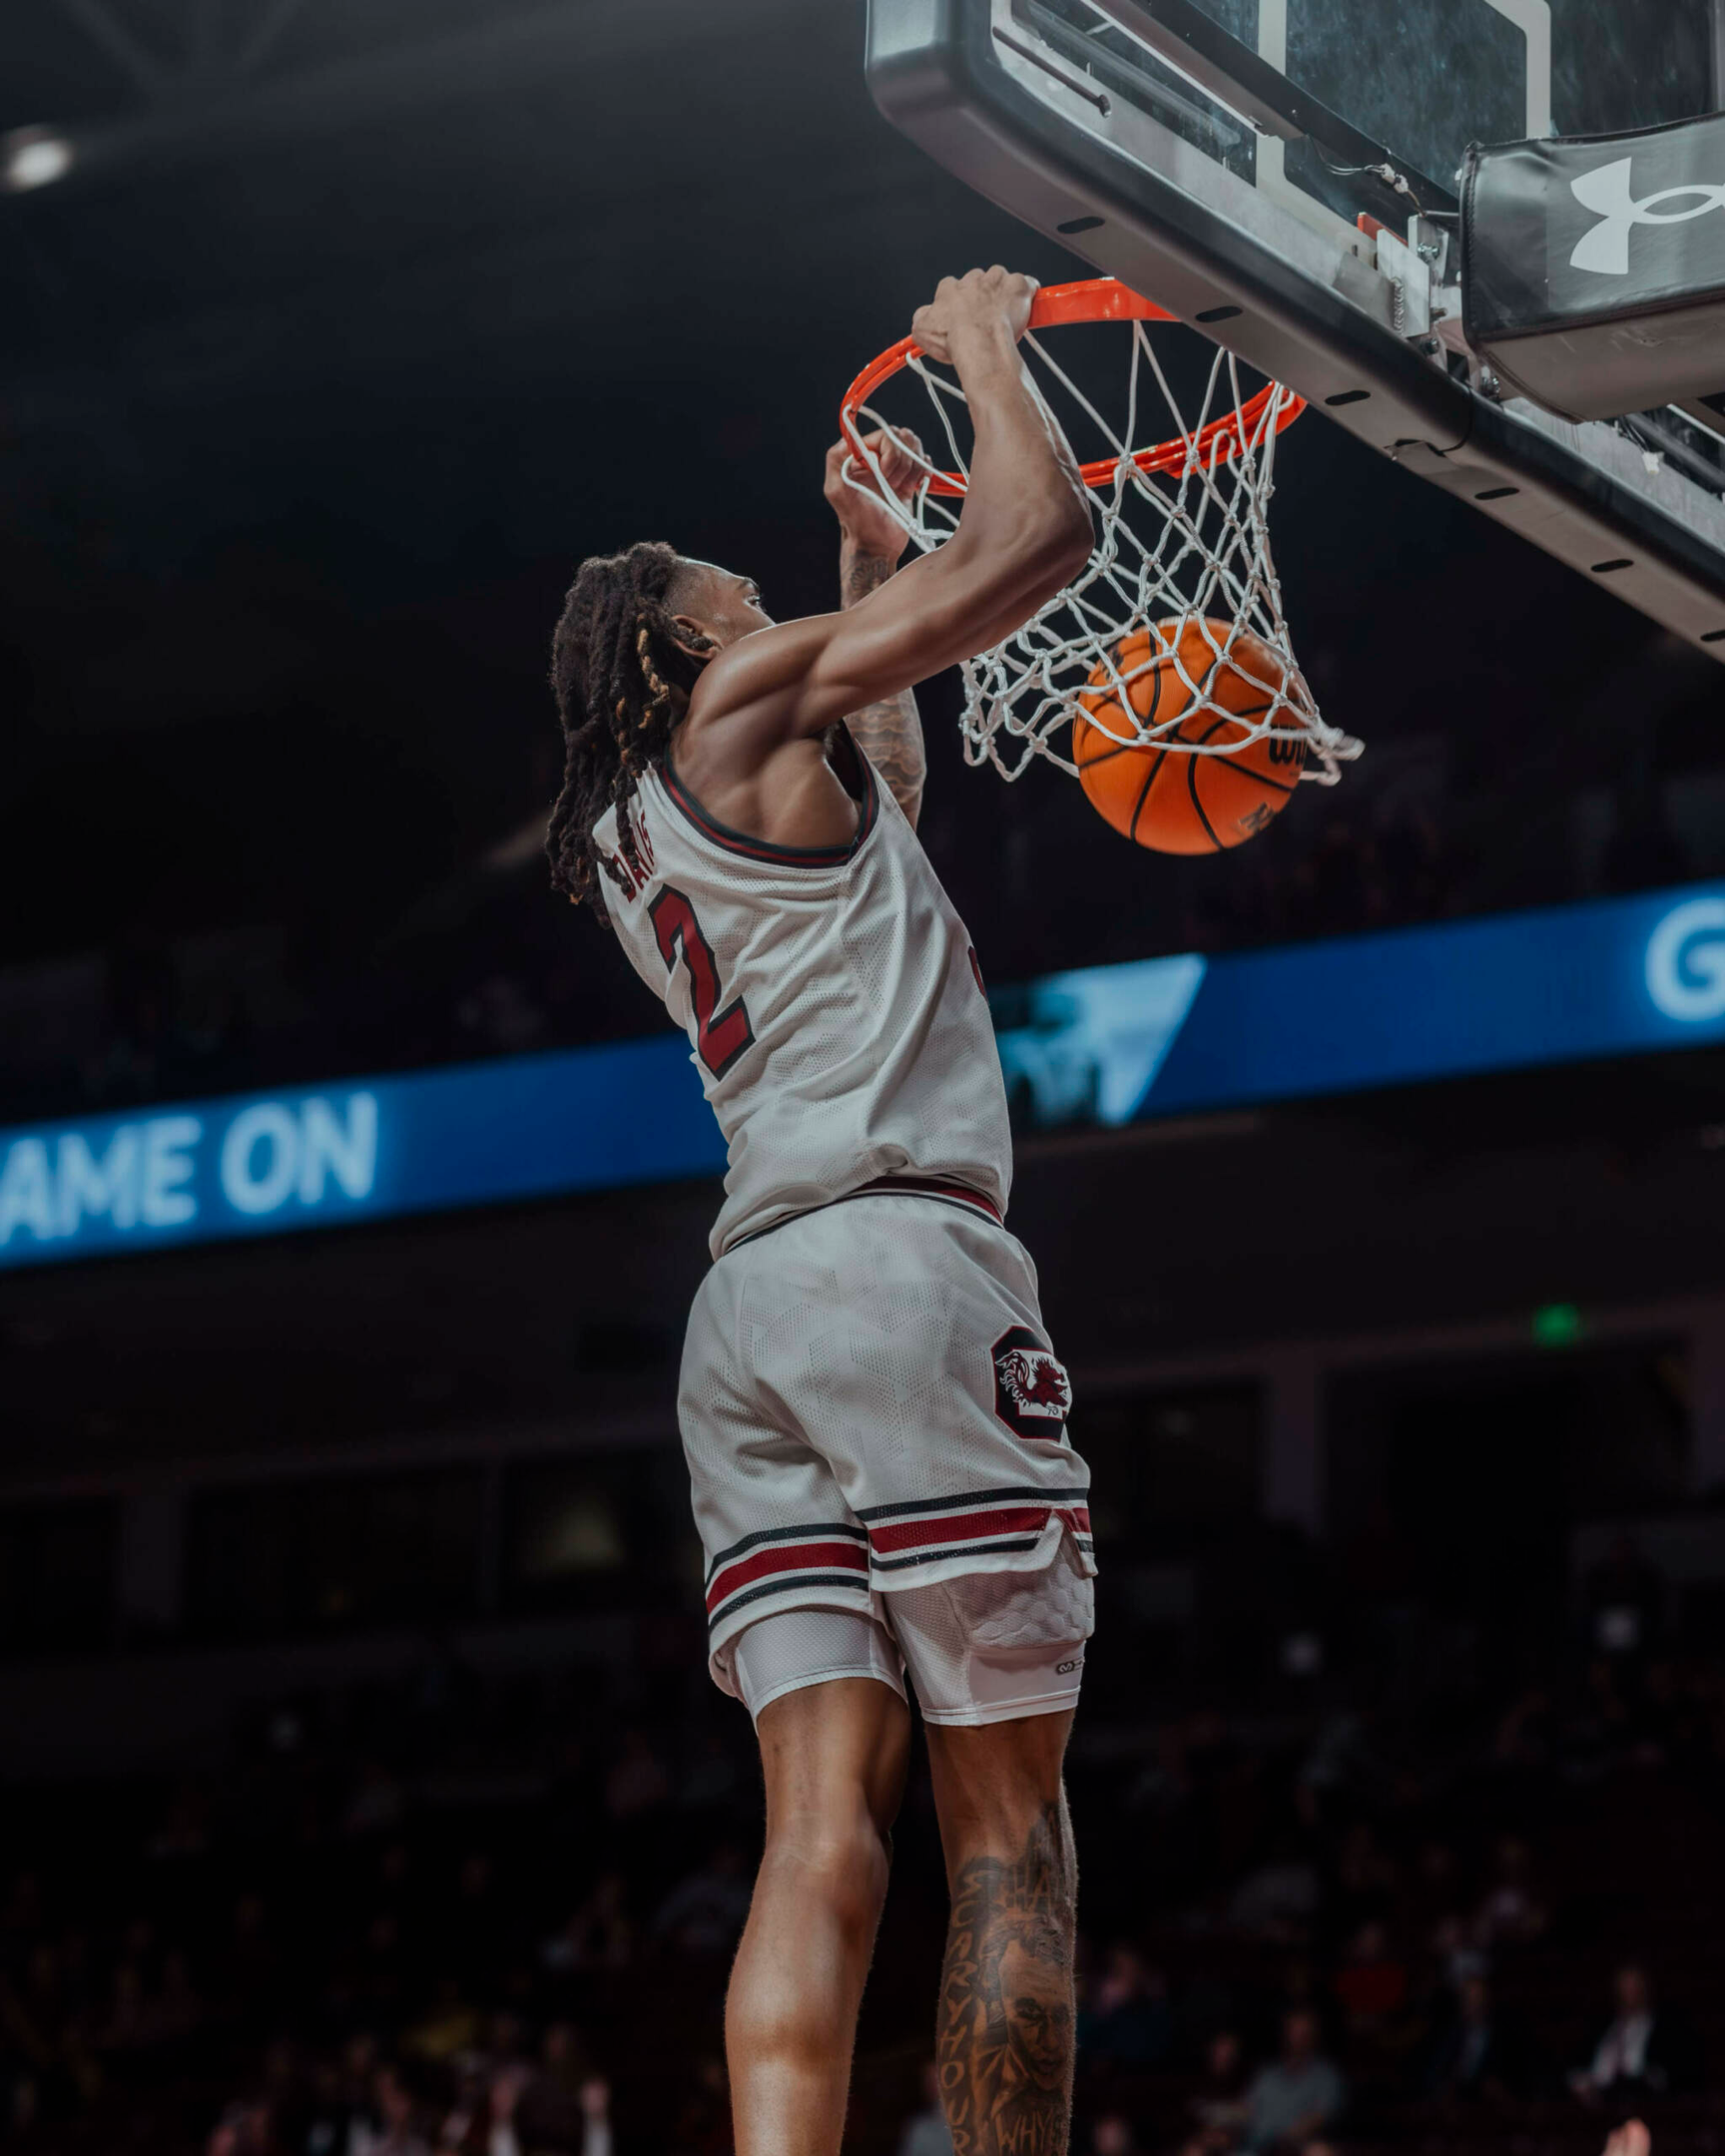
column 874, row 1418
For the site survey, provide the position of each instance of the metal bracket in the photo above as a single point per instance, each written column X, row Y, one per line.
column 1416, row 268
column 1409, row 285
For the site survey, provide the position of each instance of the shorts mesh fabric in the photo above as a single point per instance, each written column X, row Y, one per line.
column 986, row 1647
column 797, row 1648
column 996, row 1646
column 842, row 1419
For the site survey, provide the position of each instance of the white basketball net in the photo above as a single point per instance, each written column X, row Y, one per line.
column 1190, row 540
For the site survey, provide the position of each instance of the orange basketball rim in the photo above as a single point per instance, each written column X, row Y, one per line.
column 1055, row 306
column 1180, row 501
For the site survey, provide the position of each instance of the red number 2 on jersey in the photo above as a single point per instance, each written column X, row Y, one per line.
column 720, row 1035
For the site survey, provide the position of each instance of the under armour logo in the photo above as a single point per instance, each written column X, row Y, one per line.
column 1606, row 250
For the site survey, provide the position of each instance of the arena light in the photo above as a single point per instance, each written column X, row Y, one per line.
column 1557, row 1325
column 33, row 156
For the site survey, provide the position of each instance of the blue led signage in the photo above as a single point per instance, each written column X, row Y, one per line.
column 1106, row 1045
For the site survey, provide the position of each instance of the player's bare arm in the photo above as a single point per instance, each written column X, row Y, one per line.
column 750, row 746
column 871, row 543
column 697, row 739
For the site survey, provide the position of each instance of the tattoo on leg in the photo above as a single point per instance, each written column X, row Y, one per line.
column 1004, row 2043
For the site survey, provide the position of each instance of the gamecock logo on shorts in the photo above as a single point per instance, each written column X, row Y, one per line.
column 1032, row 1388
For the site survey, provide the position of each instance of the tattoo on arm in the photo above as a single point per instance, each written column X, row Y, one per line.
column 1005, row 2035
column 890, row 734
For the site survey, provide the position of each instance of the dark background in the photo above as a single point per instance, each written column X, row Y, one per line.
column 317, row 381
column 350, row 1628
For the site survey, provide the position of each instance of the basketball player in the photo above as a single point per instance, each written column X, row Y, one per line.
column 873, row 1418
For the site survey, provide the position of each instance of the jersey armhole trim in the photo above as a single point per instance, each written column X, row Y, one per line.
column 760, row 849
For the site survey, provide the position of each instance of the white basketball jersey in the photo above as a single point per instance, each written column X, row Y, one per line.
column 830, row 995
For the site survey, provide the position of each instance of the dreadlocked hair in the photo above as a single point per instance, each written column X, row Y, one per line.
column 614, row 661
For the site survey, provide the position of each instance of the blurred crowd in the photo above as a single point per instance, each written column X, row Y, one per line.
column 1353, row 877
column 488, row 1917
column 487, row 966
column 492, row 968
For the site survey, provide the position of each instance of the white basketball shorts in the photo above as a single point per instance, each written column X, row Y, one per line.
column 989, row 1647
column 869, row 1405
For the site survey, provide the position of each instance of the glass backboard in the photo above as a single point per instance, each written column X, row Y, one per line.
column 1420, row 79
column 1282, row 174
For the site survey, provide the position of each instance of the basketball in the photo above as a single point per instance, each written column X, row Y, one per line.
column 1173, row 801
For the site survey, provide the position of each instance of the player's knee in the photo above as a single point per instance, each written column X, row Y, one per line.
column 847, row 1865
column 839, row 1860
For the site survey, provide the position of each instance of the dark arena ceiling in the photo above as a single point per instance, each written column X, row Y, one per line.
column 354, row 324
